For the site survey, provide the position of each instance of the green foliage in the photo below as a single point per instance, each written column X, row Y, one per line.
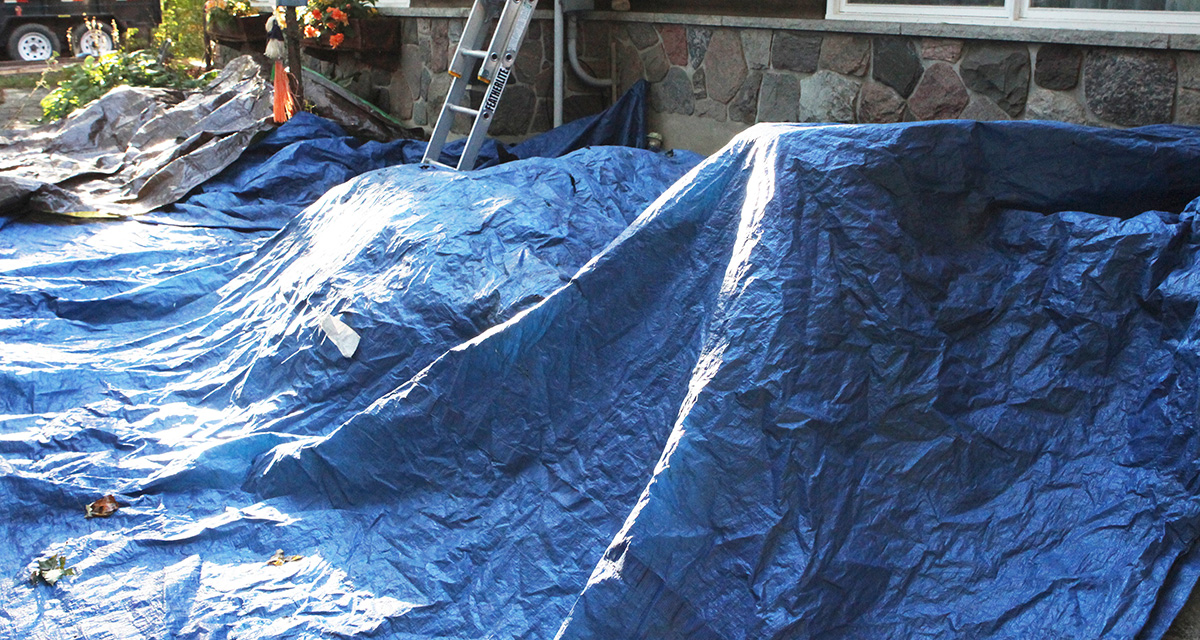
column 183, row 25
column 93, row 78
column 50, row 570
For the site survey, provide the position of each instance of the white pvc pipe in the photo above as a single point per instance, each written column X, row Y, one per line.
column 559, row 83
column 573, row 55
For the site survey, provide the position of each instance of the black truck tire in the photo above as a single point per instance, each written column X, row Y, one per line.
column 32, row 41
column 91, row 42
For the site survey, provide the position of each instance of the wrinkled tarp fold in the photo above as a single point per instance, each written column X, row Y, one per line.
column 918, row 380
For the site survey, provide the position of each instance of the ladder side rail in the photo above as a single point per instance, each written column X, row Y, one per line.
column 479, row 130
column 461, row 67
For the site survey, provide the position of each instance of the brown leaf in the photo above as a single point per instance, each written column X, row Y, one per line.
column 103, row 508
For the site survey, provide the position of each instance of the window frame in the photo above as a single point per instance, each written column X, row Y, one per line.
column 1019, row 13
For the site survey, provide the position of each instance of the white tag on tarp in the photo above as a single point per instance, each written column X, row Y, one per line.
column 342, row 335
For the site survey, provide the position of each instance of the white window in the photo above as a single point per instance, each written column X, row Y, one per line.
column 1155, row 16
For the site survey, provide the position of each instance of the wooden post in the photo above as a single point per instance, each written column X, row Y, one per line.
column 292, row 35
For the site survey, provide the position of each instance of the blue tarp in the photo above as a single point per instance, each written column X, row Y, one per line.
column 921, row 380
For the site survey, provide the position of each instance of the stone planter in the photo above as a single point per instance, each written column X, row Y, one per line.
column 381, row 33
column 239, row 30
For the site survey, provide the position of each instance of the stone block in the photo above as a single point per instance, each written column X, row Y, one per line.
column 1187, row 107
column 744, row 105
column 655, row 63
column 879, row 103
column 712, row 110
column 426, row 79
column 382, row 98
column 795, row 51
column 724, row 65
column 1189, row 69
column 673, row 94
column 982, row 108
column 998, row 71
column 1059, row 106
column 594, row 39
column 408, row 31
column 642, row 35
column 674, row 40
column 420, row 114
column 581, row 106
column 402, row 101
column 439, row 61
column 845, row 54
column 1129, row 87
column 529, row 62
column 439, row 86
column 826, row 96
column 698, row 39
column 1057, row 67
column 779, row 97
column 410, row 70
column 543, row 85
column 543, row 118
column 941, row 49
column 515, row 112
column 756, row 43
column 699, row 87
column 894, row 62
column 630, row 69
column 940, row 95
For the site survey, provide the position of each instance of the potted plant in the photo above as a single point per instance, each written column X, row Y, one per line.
column 354, row 25
column 234, row 21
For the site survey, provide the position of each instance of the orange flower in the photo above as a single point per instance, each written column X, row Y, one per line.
column 339, row 15
column 316, row 14
column 311, row 32
column 336, row 39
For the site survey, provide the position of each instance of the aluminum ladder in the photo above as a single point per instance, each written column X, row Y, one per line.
column 497, row 63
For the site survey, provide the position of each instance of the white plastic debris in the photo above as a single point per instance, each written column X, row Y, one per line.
column 341, row 334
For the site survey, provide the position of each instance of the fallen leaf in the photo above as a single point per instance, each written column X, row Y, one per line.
column 279, row 559
column 102, row 508
column 50, row 570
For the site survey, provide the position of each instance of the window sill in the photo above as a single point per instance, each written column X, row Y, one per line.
column 1090, row 37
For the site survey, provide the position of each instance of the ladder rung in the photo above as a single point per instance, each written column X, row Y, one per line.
column 475, row 53
column 464, row 110
column 435, row 163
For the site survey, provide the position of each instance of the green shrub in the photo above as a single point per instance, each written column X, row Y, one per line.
column 92, row 78
column 183, row 24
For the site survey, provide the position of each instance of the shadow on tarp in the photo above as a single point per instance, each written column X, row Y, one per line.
column 136, row 150
column 915, row 380
column 305, row 157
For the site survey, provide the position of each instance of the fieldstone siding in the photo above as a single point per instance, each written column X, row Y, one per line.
column 759, row 75
column 748, row 75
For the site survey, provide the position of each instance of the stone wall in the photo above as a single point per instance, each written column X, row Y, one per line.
column 705, row 79
column 766, row 75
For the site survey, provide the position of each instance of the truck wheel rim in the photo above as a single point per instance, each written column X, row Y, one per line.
column 94, row 43
column 34, row 46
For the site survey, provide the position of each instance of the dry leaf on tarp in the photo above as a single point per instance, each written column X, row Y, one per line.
column 102, row 508
column 279, row 559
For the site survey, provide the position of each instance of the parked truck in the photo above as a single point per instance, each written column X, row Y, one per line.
column 37, row 29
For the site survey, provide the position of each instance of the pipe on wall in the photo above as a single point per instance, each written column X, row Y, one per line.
column 573, row 55
column 558, row 63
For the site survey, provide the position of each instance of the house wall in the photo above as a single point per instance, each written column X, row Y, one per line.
column 710, row 82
